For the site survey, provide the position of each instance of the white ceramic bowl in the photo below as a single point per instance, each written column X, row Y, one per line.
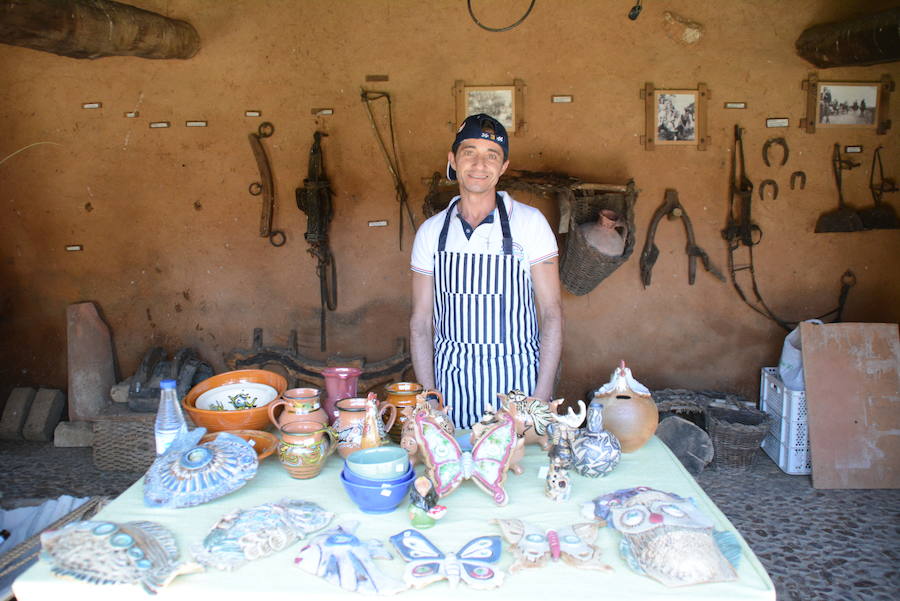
column 239, row 395
column 379, row 463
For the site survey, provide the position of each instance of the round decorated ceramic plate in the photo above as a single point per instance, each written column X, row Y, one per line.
column 240, row 395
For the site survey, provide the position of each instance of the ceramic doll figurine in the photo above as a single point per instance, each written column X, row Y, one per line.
column 423, row 509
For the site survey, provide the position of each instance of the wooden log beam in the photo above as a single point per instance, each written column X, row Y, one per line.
column 95, row 28
column 866, row 40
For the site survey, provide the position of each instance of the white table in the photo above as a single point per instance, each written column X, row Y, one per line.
column 469, row 512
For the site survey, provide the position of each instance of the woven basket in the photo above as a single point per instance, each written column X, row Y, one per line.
column 736, row 434
column 124, row 443
column 583, row 267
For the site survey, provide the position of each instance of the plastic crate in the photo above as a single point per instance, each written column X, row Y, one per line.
column 775, row 399
column 791, row 460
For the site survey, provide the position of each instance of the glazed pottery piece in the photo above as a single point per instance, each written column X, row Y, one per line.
column 240, row 395
column 489, row 421
column 402, row 395
column 532, row 415
column 378, row 497
column 263, row 443
column 379, row 463
column 299, row 405
column 256, row 418
column 190, row 473
column 595, row 452
column 447, row 465
column 340, row 383
column 360, row 423
column 667, row 537
column 247, row 534
column 304, row 448
column 628, row 409
column 607, row 234
column 532, row 545
column 432, row 405
column 558, row 486
column 423, row 509
column 100, row 552
column 350, row 476
column 474, row 563
column 341, row 558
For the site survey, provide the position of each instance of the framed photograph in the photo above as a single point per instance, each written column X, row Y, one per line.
column 503, row 102
column 847, row 104
column 675, row 117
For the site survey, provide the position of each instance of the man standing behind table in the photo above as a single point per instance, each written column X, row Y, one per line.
column 478, row 267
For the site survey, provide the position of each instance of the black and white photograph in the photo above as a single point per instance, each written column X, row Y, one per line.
column 847, row 104
column 676, row 117
column 496, row 101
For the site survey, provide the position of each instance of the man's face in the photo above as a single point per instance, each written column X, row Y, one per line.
column 479, row 164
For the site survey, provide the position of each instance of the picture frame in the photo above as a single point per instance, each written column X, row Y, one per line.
column 675, row 117
column 847, row 104
column 503, row 102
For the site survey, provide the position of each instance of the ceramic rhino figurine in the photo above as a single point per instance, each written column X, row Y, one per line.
column 532, row 416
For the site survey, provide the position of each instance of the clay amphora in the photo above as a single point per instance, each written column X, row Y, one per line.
column 402, row 395
column 300, row 405
column 595, row 452
column 340, row 383
column 304, row 447
column 628, row 409
column 360, row 423
column 607, row 234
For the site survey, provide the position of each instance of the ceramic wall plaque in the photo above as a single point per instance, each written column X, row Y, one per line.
column 533, row 546
column 248, row 534
column 474, row 563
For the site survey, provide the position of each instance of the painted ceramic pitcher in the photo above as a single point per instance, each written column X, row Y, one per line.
column 304, row 447
column 300, row 405
column 360, row 423
column 403, row 396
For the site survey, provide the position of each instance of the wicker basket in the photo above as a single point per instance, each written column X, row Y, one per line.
column 583, row 267
column 736, row 434
column 124, row 443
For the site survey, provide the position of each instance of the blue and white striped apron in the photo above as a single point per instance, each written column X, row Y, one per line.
column 486, row 338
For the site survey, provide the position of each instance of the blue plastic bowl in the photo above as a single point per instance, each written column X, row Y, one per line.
column 381, row 498
column 352, row 476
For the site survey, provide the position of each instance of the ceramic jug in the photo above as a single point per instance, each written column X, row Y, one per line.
column 402, row 395
column 304, row 447
column 300, row 405
column 360, row 423
column 628, row 409
column 340, row 383
column 595, row 452
column 607, row 234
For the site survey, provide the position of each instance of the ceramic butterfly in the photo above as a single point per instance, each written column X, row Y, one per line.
column 533, row 545
column 486, row 463
column 472, row 563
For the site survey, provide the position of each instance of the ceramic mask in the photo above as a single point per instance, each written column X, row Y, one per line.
column 532, row 545
column 339, row 557
column 448, row 465
column 248, row 534
column 667, row 537
column 473, row 563
column 142, row 553
column 190, row 473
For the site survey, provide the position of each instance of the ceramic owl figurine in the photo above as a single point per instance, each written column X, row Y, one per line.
column 667, row 537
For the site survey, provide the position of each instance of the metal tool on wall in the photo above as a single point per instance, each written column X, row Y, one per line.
column 266, row 185
column 881, row 216
column 740, row 231
column 842, row 219
column 393, row 161
column 314, row 199
column 672, row 209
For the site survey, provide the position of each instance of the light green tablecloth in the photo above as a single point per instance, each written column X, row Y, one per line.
column 469, row 512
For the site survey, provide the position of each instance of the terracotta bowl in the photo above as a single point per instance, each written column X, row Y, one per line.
column 238, row 419
column 264, row 443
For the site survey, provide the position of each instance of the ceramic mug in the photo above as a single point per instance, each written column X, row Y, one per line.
column 401, row 395
column 360, row 423
column 300, row 405
column 304, row 447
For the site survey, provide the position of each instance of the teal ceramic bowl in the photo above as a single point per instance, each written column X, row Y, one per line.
column 379, row 463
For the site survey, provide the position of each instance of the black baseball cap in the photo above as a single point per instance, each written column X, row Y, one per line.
column 479, row 126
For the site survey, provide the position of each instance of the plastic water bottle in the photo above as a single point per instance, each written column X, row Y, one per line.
column 169, row 418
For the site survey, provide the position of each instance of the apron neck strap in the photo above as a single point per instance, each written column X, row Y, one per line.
column 504, row 225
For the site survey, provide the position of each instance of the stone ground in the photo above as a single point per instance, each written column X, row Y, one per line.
column 817, row 545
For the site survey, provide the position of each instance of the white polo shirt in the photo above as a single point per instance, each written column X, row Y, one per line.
column 533, row 239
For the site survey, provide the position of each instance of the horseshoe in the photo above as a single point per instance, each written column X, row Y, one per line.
column 798, row 175
column 765, row 151
column 762, row 189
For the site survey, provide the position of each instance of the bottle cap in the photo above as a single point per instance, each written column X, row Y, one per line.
column 167, row 384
